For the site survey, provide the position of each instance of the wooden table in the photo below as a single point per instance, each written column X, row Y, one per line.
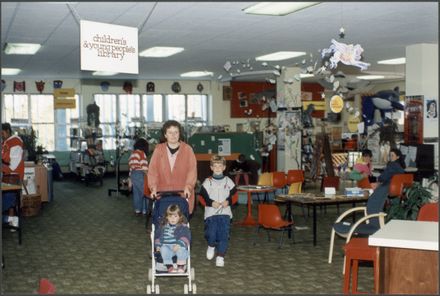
column 5, row 187
column 249, row 220
column 314, row 200
column 408, row 257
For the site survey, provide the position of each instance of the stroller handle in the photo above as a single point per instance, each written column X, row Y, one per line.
column 160, row 194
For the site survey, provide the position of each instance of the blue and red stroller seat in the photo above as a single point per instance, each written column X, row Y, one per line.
column 159, row 211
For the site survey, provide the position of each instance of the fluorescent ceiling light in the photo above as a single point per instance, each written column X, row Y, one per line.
column 196, row 74
column 370, row 77
column 160, row 52
column 301, row 75
column 10, row 71
column 277, row 8
column 280, row 55
column 104, row 73
column 398, row 61
column 22, row 48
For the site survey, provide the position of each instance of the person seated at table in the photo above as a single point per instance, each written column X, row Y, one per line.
column 240, row 167
column 393, row 167
column 363, row 168
column 217, row 191
column 12, row 164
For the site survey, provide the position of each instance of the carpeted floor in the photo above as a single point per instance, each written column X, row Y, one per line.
column 86, row 242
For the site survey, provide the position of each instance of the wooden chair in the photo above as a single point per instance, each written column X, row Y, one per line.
column 428, row 212
column 269, row 218
column 372, row 220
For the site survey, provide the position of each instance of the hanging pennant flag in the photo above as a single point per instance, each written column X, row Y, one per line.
column 105, row 85
column 40, row 86
column 19, row 86
column 3, row 85
column 128, row 87
column 57, row 84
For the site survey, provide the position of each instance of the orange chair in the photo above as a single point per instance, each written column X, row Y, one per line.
column 357, row 249
column 46, row 287
column 398, row 182
column 428, row 212
column 294, row 176
column 203, row 203
column 269, row 218
column 279, row 180
column 364, row 183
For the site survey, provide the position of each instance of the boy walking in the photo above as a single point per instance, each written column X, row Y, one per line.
column 217, row 191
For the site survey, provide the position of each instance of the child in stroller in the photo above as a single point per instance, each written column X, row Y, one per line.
column 170, row 240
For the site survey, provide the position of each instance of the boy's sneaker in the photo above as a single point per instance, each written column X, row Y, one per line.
column 210, row 252
column 219, row 261
column 13, row 221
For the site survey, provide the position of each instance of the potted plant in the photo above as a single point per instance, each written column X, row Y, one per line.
column 407, row 207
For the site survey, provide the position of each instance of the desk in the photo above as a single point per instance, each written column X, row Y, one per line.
column 5, row 187
column 408, row 257
column 249, row 220
column 310, row 199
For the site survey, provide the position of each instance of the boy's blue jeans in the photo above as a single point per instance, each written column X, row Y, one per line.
column 167, row 253
column 217, row 232
column 139, row 202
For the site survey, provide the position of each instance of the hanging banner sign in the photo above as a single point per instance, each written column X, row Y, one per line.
column 110, row 48
column 353, row 123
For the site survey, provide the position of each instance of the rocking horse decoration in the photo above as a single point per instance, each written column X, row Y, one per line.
column 347, row 54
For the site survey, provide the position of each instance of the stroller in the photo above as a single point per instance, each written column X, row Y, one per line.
column 159, row 269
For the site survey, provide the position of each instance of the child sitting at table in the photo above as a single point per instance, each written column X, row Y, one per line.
column 240, row 167
column 217, row 191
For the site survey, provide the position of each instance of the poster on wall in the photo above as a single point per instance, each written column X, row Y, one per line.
column 110, row 48
column 224, row 147
column 293, row 139
column 430, row 119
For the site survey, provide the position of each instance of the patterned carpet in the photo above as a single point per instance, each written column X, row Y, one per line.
column 86, row 242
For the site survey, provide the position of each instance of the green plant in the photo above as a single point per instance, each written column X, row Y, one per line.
column 408, row 207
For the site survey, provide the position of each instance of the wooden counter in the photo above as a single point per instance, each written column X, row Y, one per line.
column 408, row 257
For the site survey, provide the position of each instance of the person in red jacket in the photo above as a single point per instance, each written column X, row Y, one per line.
column 173, row 165
column 12, row 163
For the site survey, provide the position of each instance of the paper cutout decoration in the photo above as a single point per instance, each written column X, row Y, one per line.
column 3, row 85
column 176, row 87
column 336, row 104
column 353, row 123
column 200, row 87
column 57, row 83
column 19, row 86
column 127, row 87
column 150, row 87
column 347, row 54
column 40, row 86
column 105, row 85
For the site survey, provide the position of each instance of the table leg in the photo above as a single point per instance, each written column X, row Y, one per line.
column 249, row 220
column 314, row 225
column 289, row 218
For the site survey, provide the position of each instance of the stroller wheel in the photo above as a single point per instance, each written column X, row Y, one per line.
column 150, row 274
column 185, row 289
column 157, row 291
column 148, row 289
column 194, row 291
column 193, row 273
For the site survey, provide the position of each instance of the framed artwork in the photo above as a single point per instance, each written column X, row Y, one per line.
column 227, row 93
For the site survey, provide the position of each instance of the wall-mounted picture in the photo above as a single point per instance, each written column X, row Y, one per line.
column 244, row 104
column 431, row 109
column 227, row 93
